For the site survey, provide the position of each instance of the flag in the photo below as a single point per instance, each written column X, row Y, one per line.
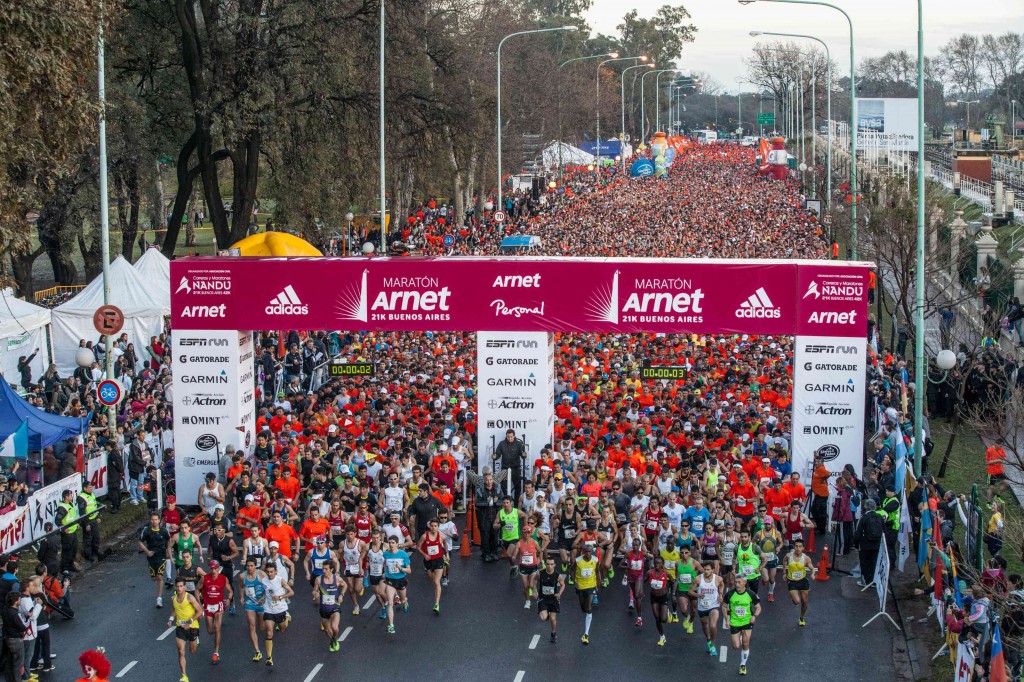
column 80, row 455
column 15, row 446
column 958, row 598
column 997, row 665
column 903, row 551
column 923, row 546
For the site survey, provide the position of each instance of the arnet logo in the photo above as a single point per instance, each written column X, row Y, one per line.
column 832, row 317
column 758, row 305
column 287, row 303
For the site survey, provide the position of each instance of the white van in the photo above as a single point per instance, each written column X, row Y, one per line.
column 706, row 136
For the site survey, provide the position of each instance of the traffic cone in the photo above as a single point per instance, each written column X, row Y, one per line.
column 823, row 566
column 466, row 549
column 471, row 520
column 809, row 545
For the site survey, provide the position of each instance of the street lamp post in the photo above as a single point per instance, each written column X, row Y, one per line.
column 622, row 103
column 919, row 370
column 500, row 43
column 597, row 104
column 105, row 209
column 657, row 94
column 739, row 105
column 828, row 101
column 560, row 67
column 643, row 113
column 853, row 112
column 967, row 126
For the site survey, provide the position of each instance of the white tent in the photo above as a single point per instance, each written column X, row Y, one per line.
column 571, row 156
column 22, row 331
column 144, row 316
column 155, row 268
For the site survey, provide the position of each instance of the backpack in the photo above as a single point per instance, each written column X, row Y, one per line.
column 874, row 530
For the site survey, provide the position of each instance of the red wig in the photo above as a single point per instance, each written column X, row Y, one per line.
column 97, row 661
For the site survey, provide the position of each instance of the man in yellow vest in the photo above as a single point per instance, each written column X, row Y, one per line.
column 66, row 518
column 88, row 511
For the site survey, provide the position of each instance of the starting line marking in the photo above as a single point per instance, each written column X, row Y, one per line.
column 533, row 642
column 345, row 633
column 124, row 670
column 167, row 633
column 519, row 676
column 723, row 653
column 315, row 670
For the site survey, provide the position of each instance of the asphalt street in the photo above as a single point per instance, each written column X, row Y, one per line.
column 483, row 630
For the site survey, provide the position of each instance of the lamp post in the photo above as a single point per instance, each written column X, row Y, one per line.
column 828, row 100
column 968, row 103
column 622, row 103
column 105, row 209
column 739, row 105
column 853, row 112
column 657, row 94
column 560, row 67
column 643, row 113
column 919, row 272
column 500, row 43
column 597, row 101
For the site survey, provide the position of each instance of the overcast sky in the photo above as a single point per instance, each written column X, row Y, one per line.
column 722, row 40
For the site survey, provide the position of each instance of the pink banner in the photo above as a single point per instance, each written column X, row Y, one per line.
column 832, row 299
column 510, row 294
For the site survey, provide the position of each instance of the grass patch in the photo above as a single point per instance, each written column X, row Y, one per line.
column 111, row 525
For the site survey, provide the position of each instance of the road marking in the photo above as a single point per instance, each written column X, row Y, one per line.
column 533, row 642
column 723, row 653
column 370, row 603
column 167, row 633
column 345, row 634
column 519, row 676
column 124, row 671
column 315, row 670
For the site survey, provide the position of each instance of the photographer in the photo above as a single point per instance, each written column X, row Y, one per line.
column 512, row 453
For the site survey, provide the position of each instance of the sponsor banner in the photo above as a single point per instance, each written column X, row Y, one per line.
column 515, row 390
column 828, row 402
column 15, row 529
column 96, row 473
column 964, row 662
column 832, row 301
column 887, row 123
column 522, row 294
column 210, row 386
column 43, row 503
column 245, row 434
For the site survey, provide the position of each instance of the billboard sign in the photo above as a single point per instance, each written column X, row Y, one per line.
column 888, row 123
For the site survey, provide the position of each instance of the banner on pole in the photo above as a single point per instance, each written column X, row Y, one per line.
column 882, row 575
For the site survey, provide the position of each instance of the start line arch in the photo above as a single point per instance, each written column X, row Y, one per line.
column 515, row 304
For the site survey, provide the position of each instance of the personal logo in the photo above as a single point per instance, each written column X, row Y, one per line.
column 758, row 305
column 827, row 453
column 287, row 303
column 207, row 441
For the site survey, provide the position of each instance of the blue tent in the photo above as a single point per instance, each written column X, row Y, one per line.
column 519, row 242
column 44, row 429
column 609, row 148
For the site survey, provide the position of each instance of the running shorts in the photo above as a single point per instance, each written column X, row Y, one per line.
column 737, row 629
column 704, row 613
column 326, row 615
column 397, row 583
column 157, row 565
column 528, row 570
column 549, row 605
column 376, row 579
column 799, row 585
column 186, row 634
column 433, row 564
column 276, row 617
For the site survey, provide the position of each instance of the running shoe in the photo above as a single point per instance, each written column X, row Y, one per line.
column 183, row 678
column 771, row 596
column 586, row 639
column 257, row 657
column 383, row 613
column 661, row 641
column 604, row 583
column 321, row 627
column 632, row 604
column 391, row 629
column 571, row 580
column 527, row 604
column 444, row 582
column 595, row 597
column 529, row 591
column 554, row 638
column 287, row 619
column 801, row 622
column 50, row 668
column 366, row 581
column 639, row 621
column 437, row 608
column 159, row 602
column 743, row 670
column 513, row 573
column 625, row 581
column 362, row 589
column 565, row 567
column 38, row 665
column 270, row 662
column 405, row 607
column 673, row 618
column 712, row 650
column 688, row 624
column 355, row 611
column 231, row 610
column 216, row 658
column 611, row 571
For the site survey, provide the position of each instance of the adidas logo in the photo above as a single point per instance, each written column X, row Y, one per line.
column 758, row 305
column 287, row 303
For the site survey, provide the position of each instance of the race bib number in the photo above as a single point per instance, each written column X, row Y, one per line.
column 569, row 533
column 214, row 608
column 318, row 564
column 769, row 556
column 636, row 565
column 747, row 569
column 740, row 611
column 509, row 527
column 592, row 501
column 652, row 525
column 190, row 586
column 327, row 600
column 670, row 565
column 433, row 550
column 740, row 501
column 185, row 623
column 685, row 578
column 394, row 565
column 527, row 560
column 799, row 575
column 657, row 584
column 250, row 593
column 698, row 525
column 548, row 590
column 586, row 573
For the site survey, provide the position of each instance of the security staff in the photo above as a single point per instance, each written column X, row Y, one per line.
column 868, row 538
column 487, row 494
column 88, row 511
column 66, row 518
column 891, row 511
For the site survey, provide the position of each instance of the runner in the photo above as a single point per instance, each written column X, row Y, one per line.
column 769, row 540
column 607, row 533
column 634, row 562
column 223, row 550
column 434, row 550
column 252, row 593
column 396, row 569
column 727, row 543
column 749, row 561
column 529, row 562
column 708, row 591
column 742, row 606
column 285, row 566
column 189, row 572
column 330, row 592
column 316, row 560
column 255, row 547
column 586, row 586
column 153, row 542
column 552, row 585
column 567, row 526
column 275, row 606
column 508, row 521
column 686, row 574
column 670, row 558
column 184, row 542
column 216, row 591
column 353, row 554
column 798, row 569
column 660, row 582
column 375, row 570
column 186, row 623
column 450, row 532
column 794, row 523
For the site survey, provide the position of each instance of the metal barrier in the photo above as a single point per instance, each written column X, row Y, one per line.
column 56, row 291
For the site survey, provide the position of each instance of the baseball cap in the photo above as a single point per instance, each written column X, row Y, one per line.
column 171, row 499
column 320, row 540
column 219, row 506
column 250, row 497
column 214, row 563
column 274, row 544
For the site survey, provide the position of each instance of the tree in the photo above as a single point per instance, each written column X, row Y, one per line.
column 960, row 64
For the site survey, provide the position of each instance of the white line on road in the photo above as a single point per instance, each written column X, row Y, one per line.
column 519, row 676
column 370, row 603
column 345, row 634
column 315, row 670
column 723, row 653
column 167, row 633
column 533, row 642
column 124, row 670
